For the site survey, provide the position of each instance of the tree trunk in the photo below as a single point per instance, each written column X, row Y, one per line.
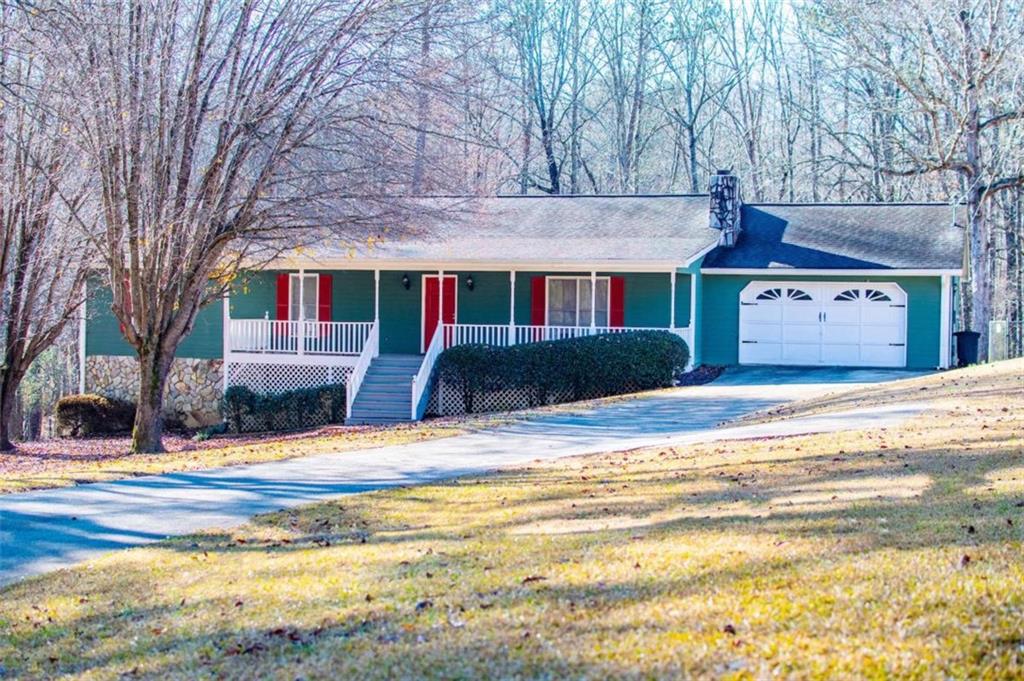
column 979, row 311
column 422, row 106
column 147, row 433
column 8, row 394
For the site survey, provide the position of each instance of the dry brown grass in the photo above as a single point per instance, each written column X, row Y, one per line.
column 891, row 553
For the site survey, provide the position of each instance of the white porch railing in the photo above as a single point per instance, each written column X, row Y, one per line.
column 505, row 334
column 371, row 349
column 294, row 337
column 422, row 378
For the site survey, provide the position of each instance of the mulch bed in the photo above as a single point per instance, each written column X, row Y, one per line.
column 700, row 375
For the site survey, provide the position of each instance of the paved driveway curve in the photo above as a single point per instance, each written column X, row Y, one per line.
column 50, row 529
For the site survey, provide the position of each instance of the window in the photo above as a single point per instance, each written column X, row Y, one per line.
column 877, row 296
column 302, row 297
column 569, row 300
column 797, row 294
column 848, row 295
column 770, row 294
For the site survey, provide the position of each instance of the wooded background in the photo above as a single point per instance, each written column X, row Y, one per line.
column 117, row 119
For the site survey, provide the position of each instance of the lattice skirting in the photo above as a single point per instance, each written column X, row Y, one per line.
column 446, row 400
column 272, row 379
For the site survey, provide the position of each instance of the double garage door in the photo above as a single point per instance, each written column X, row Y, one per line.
column 830, row 324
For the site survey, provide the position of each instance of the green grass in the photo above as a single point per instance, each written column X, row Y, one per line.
column 875, row 554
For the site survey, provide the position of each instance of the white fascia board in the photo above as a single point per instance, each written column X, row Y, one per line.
column 794, row 272
column 700, row 254
column 476, row 265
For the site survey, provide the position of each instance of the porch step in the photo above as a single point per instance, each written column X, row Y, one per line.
column 386, row 393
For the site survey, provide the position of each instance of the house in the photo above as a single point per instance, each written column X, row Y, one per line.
column 779, row 284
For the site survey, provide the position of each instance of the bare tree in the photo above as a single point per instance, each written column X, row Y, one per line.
column 958, row 66
column 222, row 134
column 43, row 255
column 625, row 32
column 696, row 85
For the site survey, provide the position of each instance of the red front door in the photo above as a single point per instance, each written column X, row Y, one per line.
column 431, row 303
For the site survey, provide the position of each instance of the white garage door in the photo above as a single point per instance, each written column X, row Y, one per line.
column 832, row 324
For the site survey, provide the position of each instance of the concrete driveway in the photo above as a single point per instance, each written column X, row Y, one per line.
column 50, row 529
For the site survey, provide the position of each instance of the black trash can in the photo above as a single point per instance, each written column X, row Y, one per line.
column 966, row 347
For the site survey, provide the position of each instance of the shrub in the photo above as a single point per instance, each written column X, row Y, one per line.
column 246, row 410
column 592, row 366
column 83, row 415
column 204, row 434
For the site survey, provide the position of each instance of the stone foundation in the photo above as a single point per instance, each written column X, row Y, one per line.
column 194, row 386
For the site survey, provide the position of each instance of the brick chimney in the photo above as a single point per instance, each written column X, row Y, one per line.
column 724, row 188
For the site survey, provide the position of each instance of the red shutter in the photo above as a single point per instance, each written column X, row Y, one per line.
column 323, row 307
column 538, row 302
column 617, row 304
column 282, row 296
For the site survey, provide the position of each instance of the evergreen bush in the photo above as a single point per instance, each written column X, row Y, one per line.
column 246, row 410
column 90, row 414
column 587, row 367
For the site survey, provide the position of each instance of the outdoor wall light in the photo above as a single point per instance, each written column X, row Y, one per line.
column 469, row 282
column 405, row 281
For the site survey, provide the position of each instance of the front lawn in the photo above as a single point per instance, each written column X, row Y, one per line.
column 874, row 554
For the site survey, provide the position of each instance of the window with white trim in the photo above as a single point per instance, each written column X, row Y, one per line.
column 569, row 301
column 302, row 297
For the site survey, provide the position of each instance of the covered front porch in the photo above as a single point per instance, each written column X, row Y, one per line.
column 303, row 327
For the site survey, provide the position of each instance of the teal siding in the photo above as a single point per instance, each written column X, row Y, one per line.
column 400, row 312
column 683, row 299
column 254, row 296
column 487, row 303
column 352, row 295
column 719, row 320
column 103, row 331
column 647, row 299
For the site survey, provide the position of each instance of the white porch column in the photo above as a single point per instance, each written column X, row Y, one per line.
column 226, row 351
column 593, row 300
column 376, row 296
column 945, row 332
column 511, row 308
column 81, row 349
column 672, row 300
column 300, row 337
column 440, row 299
column 693, row 318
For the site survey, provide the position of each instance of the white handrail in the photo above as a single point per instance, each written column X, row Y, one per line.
column 371, row 349
column 422, row 377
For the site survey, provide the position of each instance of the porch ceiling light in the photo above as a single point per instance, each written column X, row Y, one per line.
column 405, row 281
column 469, row 282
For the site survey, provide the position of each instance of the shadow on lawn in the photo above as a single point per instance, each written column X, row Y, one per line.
column 401, row 640
column 926, row 487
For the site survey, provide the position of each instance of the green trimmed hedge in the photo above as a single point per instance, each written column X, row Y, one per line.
column 247, row 411
column 584, row 368
column 89, row 414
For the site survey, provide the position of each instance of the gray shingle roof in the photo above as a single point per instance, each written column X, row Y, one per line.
column 846, row 236
column 663, row 228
